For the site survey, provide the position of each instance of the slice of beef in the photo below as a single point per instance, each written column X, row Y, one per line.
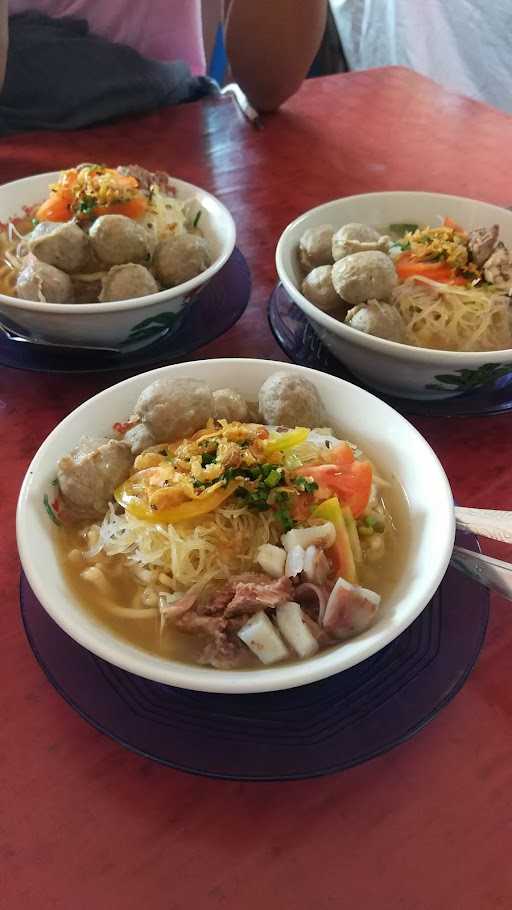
column 146, row 178
column 481, row 243
column 224, row 652
column 218, row 602
column 252, row 596
column 175, row 610
column 219, row 620
column 202, row 625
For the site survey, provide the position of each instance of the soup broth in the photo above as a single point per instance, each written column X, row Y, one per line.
column 143, row 628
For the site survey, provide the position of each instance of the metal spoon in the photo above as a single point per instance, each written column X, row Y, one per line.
column 14, row 335
column 494, row 574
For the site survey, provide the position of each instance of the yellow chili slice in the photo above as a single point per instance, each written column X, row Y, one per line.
column 284, row 441
column 200, row 505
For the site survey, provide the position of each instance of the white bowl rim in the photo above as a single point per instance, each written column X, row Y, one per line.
column 204, row 679
column 228, row 245
column 373, row 342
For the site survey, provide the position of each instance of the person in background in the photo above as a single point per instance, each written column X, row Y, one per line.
column 463, row 44
column 71, row 63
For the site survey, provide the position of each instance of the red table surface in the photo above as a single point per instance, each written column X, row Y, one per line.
column 86, row 824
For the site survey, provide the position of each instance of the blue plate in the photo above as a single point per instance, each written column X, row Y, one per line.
column 215, row 309
column 299, row 733
column 300, row 342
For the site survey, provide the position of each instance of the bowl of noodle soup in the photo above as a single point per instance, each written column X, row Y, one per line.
column 455, row 338
column 80, row 318
column 418, row 498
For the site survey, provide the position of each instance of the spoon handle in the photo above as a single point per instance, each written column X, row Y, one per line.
column 490, row 523
column 493, row 574
column 33, row 339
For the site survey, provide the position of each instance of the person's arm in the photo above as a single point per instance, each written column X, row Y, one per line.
column 4, row 40
column 271, row 44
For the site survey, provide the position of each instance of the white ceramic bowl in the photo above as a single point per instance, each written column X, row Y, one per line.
column 133, row 322
column 386, row 436
column 393, row 368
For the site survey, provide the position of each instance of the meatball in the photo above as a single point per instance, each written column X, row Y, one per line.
column 117, row 239
column 357, row 238
column 315, row 247
column 62, row 244
column 90, row 473
column 123, row 282
column 229, row 405
column 377, row 318
column 173, row 408
column 86, row 290
column 178, row 259
column 318, row 288
column 360, row 276
column 288, row 400
column 42, row 282
column 139, row 438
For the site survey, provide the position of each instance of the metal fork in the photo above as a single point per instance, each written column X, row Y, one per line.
column 494, row 574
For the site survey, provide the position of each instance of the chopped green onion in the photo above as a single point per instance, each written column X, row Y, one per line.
column 273, row 478
column 305, row 485
column 208, row 458
column 196, row 219
column 291, row 462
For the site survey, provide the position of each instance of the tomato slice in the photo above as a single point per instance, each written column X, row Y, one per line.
column 352, row 483
column 407, row 266
column 450, row 223
column 342, row 454
column 57, row 207
column 132, row 209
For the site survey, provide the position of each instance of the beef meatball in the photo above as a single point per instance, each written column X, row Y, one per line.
column 377, row 318
column 122, row 282
column 116, row 239
column 139, row 437
column 362, row 276
column 288, row 400
column 318, row 288
column 90, row 473
column 315, row 247
column 178, row 259
column 86, row 290
column 357, row 238
column 173, row 408
column 62, row 244
column 229, row 405
column 42, row 282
